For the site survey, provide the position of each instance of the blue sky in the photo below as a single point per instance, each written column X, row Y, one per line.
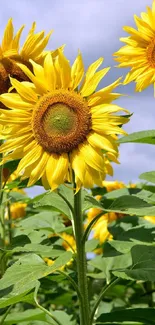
column 94, row 27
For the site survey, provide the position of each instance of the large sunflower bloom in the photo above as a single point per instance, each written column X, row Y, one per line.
column 139, row 51
column 54, row 127
column 11, row 53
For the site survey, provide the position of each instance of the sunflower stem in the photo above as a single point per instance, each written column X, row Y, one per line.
column 81, row 259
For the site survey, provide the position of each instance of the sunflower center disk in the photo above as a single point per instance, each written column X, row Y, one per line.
column 151, row 53
column 61, row 121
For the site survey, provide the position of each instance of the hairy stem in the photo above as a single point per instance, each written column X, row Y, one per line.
column 81, row 259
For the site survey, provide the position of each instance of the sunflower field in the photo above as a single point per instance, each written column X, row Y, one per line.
column 83, row 251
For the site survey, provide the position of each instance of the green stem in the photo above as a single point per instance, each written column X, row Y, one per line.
column 10, row 223
column 103, row 291
column 5, row 315
column 75, row 286
column 42, row 308
column 91, row 224
column 67, row 202
column 81, row 259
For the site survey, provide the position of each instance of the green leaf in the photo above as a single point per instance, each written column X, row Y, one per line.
column 16, row 196
column 52, row 199
column 139, row 137
column 143, row 264
column 91, row 245
column 125, row 246
column 127, row 204
column 120, row 192
column 12, row 165
column 49, row 220
column 22, row 276
column 90, row 202
column 43, row 250
column 148, row 176
column 27, row 315
column 143, row 258
column 131, row 205
column 144, row 315
column 107, row 264
column 62, row 317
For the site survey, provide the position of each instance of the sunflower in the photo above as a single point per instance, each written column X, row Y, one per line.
column 139, row 51
column 11, row 53
column 55, row 127
column 69, row 242
column 112, row 186
column 17, row 210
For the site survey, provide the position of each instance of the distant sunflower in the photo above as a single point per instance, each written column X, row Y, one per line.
column 11, row 53
column 54, row 127
column 139, row 51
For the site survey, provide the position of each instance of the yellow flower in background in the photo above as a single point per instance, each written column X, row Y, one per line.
column 11, row 53
column 100, row 229
column 150, row 219
column 17, row 210
column 111, row 186
column 53, row 126
column 69, row 243
column 139, row 52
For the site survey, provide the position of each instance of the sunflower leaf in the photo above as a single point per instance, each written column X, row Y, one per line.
column 139, row 137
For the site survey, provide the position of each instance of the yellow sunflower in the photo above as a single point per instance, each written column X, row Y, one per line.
column 139, row 51
column 17, row 210
column 11, row 53
column 55, row 127
column 114, row 185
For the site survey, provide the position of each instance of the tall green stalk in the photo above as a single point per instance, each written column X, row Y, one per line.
column 81, row 260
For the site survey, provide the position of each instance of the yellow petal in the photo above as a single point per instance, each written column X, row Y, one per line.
column 78, row 165
column 39, row 47
column 90, row 87
column 40, row 87
column 32, row 156
column 39, row 170
column 64, row 70
column 56, row 170
column 77, row 72
column 15, row 42
column 39, row 73
column 24, row 91
column 101, row 142
column 95, row 175
column 45, row 181
column 13, row 144
column 106, row 109
column 15, row 101
column 49, row 71
column 8, row 36
column 92, row 157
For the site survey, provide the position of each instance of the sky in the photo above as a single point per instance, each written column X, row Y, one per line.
column 94, row 27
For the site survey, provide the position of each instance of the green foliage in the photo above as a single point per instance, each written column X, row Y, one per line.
column 149, row 176
column 139, row 137
column 144, row 316
column 36, row 257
